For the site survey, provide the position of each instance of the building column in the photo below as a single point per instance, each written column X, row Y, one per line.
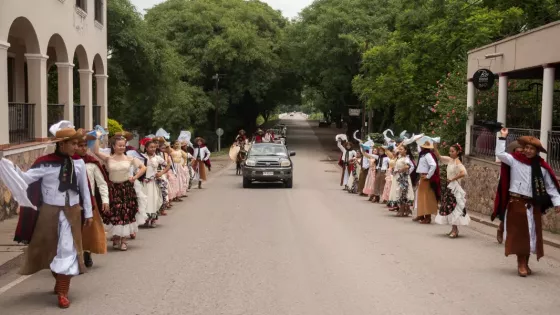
column 4, row 109
column 471, row 95
column 66, row 88
column 502, row 98
column 101, row 81
column 86, row 97
column 37, row 81
column 547, row 101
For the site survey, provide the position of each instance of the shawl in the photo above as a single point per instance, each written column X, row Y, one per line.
column 90, row 159
column 28, row 216
column 502, row 193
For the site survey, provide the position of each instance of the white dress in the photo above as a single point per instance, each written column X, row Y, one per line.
column 150, row 187
column 452, row 210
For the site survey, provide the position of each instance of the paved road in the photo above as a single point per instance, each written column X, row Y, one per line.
column 312, row 249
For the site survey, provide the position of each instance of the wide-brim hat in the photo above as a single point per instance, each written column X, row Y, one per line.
column 242, row 131
column 260, row 131
column 161, row 140
column 530, row 140
column 512, row 146
column 124, row 134
column 199, row 139
column 63, row 131
column 84, row 136
column 427, row 145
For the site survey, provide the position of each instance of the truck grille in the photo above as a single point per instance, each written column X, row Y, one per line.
column 268, row 163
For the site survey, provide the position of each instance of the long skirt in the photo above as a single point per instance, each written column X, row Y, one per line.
column 370, row 181
column 379, row 183
column 183, row 178
column 93, row 236
column 362, row 181
column 394, row 195
column 388, row 185
column 199, row 170
column 142, row 199
column 404, row 190
column 173, row 189
column 353, row 181
column 452, row 210
column 155, row 199
column 426, row 202
column 163, row 184
column 523, row 228
column 56, row 242
column 121, row 219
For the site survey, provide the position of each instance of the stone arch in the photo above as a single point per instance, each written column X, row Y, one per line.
column 56, row 49
column 80, row 54
column 22, row 33
column 98, row 65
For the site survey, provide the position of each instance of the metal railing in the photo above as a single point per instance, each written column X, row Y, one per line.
column 483, row 140
column 79, row 116
column 55, row 113
column 21, row 122
column 553, row 146
column 96, row 115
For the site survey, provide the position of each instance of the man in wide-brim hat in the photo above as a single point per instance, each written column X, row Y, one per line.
column 57, row 182
column 525, row 193
column 429, row 186
column 93, row 237
column 201, row 160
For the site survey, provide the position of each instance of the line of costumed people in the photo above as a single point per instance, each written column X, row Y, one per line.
column 72, row 202
column 390, row 174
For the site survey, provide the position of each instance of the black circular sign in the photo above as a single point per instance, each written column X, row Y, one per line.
column 483, row 79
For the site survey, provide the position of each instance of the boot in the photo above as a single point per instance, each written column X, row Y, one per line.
column 500, row 233
column 199, row 185
column 418, row 218
column 56, row 285
column 522, row 266
column 63, row 283
column 87, row 259
column 426, row 220
column 529, row 271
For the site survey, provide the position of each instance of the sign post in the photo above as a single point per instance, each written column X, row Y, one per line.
column 483, row 79
column 219, row 133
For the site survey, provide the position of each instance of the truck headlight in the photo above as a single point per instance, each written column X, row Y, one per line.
column 251, row 162
column 285, row 163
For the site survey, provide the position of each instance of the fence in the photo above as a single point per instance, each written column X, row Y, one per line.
column 21, row 122
column 483, row 141
column 96, row 115
column 55, row 113
column 553, row 146
column 79, row 116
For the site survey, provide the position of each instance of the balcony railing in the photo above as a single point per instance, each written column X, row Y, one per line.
column 96, row 115
column 483, row 141
column 79, row 116
column 553, row 145
column 22, row 122
column 55, row 113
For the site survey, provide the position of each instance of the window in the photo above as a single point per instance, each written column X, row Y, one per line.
column 99, row 11
column 82, row 4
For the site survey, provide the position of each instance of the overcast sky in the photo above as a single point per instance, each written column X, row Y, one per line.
column 289, row 8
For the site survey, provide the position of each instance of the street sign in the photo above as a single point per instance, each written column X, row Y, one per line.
column 354, row 111
column 483, row 79
column 219, row 132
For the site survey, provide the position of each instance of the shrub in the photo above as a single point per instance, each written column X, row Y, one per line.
column 114, row 127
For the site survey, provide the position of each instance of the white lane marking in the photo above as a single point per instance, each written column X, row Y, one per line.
column 13, row 284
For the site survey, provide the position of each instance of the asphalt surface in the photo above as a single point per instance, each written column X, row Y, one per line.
column 313, row 249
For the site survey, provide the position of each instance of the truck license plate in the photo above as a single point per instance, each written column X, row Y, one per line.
column 268, row 173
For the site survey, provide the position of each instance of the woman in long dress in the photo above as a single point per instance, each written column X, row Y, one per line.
column 120, row 220
column 150, row 185
column 370, row 179
column 348, row 157
column 388, row 180
column 179, row 160
column 404, row 167
column 452, row 210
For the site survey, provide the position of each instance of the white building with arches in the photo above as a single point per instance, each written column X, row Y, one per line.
column 53, row 66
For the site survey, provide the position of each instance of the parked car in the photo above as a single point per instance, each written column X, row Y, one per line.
column 324, row 124
column 268, row 162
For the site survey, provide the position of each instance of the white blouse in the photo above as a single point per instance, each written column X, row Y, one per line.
column 402, row 162
column 384, row 163
column 351, row 153
column 96, row 177
column 49, row 185
column 202, row 153
column 520, row 179
column 427, row 165
column 453, row 169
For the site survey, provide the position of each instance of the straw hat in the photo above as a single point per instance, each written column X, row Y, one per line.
column 427, row 145
column 512, row 146
column 530, row 140
column 64, row 131
column 124, row 134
